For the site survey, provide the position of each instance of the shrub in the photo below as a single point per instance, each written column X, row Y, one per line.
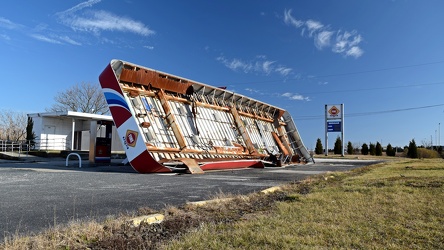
column 413, row 149
column 372, row 149
column 338, row 146
column 378, row 149
column 390, row 151
column 364, row 149
column 349, row 148
column 427, row 153
column 319, row 149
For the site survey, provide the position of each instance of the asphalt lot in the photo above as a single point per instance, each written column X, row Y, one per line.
column 38, row 195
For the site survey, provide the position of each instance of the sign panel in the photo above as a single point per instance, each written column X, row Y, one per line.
column 334, row 122
column 333, row 112
column 334, row 126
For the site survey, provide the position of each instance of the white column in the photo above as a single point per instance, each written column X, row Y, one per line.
column 72, row 133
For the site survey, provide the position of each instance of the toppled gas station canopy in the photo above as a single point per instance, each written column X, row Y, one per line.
column 168, row 123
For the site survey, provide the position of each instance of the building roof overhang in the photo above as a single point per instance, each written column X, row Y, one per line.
column 74, row 115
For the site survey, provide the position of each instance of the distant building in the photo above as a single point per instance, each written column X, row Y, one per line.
column 68, row 130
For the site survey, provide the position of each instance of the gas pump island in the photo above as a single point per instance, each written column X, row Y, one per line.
column 100, row 141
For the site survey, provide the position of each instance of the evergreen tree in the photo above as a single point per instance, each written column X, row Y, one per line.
column 30, row 135
column 378, row 149
column 372, row 149
column 338, row 146
column 390, row 151
column 413, row 149
column 364, row 149
column 319, row 149
column 349, row 148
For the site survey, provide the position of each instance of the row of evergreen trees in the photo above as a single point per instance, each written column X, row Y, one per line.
column 372, row 149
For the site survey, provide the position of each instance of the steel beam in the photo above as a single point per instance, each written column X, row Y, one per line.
column 171, row 119
column 240, row 125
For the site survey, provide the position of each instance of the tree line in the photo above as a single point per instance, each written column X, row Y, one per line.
column 412, row 150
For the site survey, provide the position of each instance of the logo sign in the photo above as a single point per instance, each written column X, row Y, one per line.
column 334, row 126
column 131, row 138
column 333, row 111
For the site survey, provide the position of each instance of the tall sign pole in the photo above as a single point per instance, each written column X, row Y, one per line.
column 334, row 122
column 342, row 129
column 326, row 131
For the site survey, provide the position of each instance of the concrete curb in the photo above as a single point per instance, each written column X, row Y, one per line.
column 271, row 190
column 202, row 203
column 150, row 219
column 158, row 218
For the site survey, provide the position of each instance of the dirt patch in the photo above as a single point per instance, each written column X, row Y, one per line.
column 179, row 221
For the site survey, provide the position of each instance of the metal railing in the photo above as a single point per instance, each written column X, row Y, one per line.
column 52, row 144
column 20, row 147
column 14, row 147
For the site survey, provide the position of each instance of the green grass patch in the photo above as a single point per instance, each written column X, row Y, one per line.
column 396, row 205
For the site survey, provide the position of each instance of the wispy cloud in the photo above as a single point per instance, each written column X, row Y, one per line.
column 6, row 23
column 295, row 97
column 289, row 19
column 84, row 21
column 78, row 7
column 235, row 64
column 69, row 40
column 54, row 39
column 323, row 39
column 255, row 91
column 5, row 37
column 284, row 71
column 313, row 26
column 339, row 41
column 97, row 21
column 259, row 65
column 287, row 95
column 45, row 39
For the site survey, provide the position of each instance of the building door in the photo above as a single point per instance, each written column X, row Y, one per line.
column 77, row 140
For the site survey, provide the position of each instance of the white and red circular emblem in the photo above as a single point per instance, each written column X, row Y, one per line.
column 333, row 111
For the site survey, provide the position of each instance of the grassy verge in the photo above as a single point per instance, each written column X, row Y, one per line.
column 396, row 205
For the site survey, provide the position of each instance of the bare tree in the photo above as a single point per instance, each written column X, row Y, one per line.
column 82, row 97
column 12, row 125
column 427, row 144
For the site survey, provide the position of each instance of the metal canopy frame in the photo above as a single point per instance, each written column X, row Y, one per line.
column 167, row 118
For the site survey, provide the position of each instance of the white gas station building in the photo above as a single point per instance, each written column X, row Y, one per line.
column 72, row 131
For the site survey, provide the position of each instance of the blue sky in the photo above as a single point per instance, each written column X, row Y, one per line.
column 383, row 59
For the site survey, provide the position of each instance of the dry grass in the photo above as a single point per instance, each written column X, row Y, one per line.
column 394, row 205
column 398, row 205
column 76, row 235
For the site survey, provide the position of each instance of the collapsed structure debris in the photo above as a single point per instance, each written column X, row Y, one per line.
column 168, row 123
